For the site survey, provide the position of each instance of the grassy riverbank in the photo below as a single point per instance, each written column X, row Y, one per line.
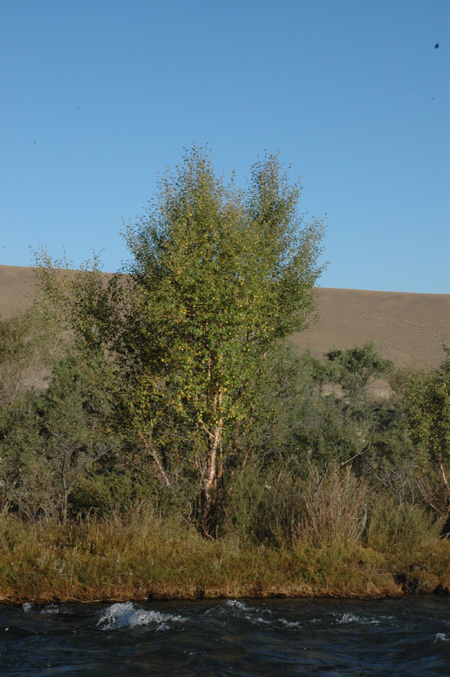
column 144, row 557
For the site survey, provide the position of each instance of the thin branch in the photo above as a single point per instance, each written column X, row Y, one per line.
column 152, row 450
column 361, row 451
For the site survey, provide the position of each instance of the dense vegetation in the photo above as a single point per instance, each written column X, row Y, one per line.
column 160, row 435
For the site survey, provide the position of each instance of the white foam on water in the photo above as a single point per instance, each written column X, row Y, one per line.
column 55, row 609
column 289, row 624
column 359, row 620
column 442, row 637
column 252, row 614
column 126, row 614
column 259, row 616
column 236, row 604
column 28, row 607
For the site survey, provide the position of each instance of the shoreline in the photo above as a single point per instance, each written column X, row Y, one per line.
column 214, row 595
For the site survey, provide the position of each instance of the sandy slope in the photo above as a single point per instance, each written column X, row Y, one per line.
column 16, row 289
column 407, row 328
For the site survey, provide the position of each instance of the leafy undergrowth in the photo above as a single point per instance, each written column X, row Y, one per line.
column 145, row 557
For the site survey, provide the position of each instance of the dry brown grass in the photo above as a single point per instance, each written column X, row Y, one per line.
column 144, row 557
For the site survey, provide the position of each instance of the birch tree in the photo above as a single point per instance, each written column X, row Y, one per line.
column 218, row 275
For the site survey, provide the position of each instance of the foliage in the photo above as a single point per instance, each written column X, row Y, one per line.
column 218, row 276
column 405, row 525
column 354, row 368
column 178, row 389
column 49, row 441
column 298, row 417
column 426, row 401
column 27, row 348
column 275, row 505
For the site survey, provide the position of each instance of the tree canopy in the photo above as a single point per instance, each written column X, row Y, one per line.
column 219, row 274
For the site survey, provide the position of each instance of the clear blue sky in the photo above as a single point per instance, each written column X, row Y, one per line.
column 98, row 96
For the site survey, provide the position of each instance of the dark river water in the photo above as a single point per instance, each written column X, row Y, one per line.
column 409, row 636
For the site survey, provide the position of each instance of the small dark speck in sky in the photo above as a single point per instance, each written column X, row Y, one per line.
column 436, row 46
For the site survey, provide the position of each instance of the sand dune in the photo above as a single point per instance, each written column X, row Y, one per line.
column 406, row 328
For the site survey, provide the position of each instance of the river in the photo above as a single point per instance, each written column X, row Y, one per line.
column 408, row 636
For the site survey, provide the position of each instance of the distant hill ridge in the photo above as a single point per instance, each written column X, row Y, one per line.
column 407, row 328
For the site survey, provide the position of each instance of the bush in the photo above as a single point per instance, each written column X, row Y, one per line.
column 392, row 526
column 50, row 440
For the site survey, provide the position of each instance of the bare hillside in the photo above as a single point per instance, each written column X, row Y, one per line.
column 17, row 286
column 406, row 328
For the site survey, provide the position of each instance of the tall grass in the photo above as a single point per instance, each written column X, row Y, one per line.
column 144, row 557
column 283, row 506
column 335, row 507
column 284, row 534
